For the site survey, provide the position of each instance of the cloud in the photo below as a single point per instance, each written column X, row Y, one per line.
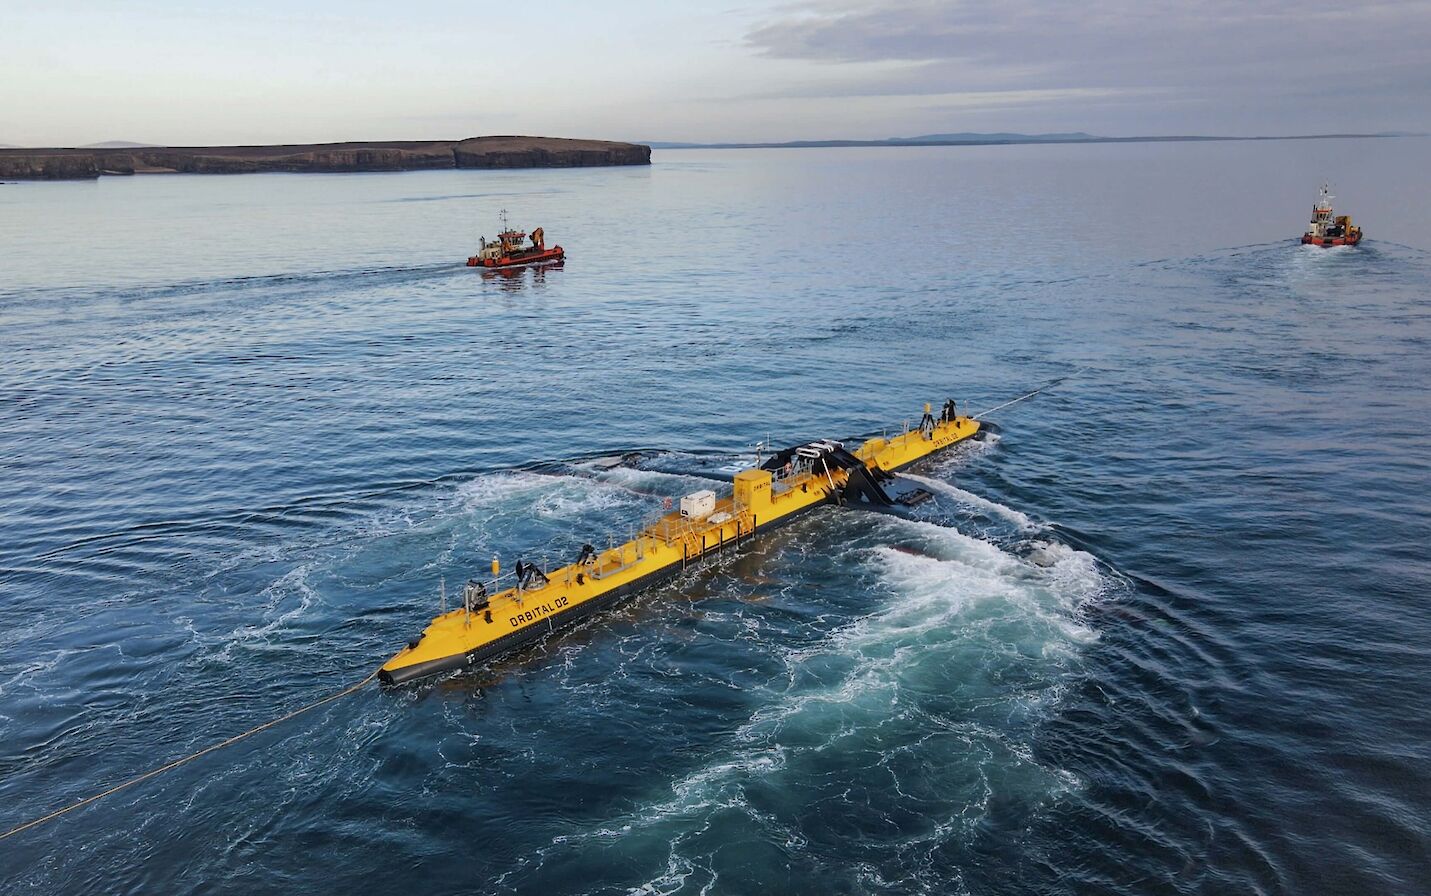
column 1328, row 56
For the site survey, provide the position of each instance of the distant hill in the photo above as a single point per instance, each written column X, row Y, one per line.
column 117, row 144
column 108, row 144
column 996, row 138
column 962, row 139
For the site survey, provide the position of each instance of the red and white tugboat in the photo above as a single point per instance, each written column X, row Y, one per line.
column 1326, row 230
column 508, row 251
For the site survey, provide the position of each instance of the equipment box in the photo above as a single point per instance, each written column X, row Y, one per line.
column 698, row 505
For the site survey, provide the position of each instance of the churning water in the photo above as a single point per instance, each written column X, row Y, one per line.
column 1166, row 631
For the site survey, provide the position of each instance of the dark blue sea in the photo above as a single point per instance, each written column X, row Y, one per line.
column 1168, row 630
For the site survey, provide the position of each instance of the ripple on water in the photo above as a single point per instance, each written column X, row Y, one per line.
column 234, row 475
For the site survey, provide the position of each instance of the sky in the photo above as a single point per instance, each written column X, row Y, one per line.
column 197, row 72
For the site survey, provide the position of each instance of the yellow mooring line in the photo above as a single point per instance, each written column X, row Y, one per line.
column 186, row 759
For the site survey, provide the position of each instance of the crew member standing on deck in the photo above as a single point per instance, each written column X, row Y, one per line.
column 926, row 425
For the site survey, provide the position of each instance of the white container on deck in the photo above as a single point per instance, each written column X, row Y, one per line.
column 698, row 505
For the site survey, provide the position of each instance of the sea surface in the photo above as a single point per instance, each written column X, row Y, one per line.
column 1168, row 630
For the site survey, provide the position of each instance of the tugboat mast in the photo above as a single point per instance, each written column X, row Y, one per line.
column 508, row 250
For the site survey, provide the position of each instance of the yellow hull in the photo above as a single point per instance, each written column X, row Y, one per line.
column 761, row 499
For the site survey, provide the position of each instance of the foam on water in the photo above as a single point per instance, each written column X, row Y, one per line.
column 287, row 599
column 553, row 496
column 959, row 588
column 969, row 498
column 568, row 501
column 494, row 488
column 653, row 481
column 963, row 617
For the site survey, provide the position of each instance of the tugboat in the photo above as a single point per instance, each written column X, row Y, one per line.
column 1326, row 230
column 508, row 251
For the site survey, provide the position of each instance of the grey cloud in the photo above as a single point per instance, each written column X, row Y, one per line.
column 1214, row 51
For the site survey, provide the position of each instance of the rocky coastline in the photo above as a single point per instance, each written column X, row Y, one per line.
column 474, row 152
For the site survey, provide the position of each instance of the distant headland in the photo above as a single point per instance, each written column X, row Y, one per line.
column 475, row 152
column 971, row 139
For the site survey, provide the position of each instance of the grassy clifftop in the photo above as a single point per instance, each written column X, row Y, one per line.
column 474, row 152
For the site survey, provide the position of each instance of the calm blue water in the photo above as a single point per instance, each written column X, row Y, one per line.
column 1167, row 633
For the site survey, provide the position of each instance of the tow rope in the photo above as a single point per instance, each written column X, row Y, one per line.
column 187, row 759
column 1048, row 385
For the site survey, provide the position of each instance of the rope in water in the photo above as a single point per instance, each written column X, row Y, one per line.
column 187, row 759
column 1048, row 385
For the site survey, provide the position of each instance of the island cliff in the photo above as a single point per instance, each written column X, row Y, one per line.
column 475, row 152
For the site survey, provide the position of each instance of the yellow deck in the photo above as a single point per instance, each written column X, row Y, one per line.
column 758, row 500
